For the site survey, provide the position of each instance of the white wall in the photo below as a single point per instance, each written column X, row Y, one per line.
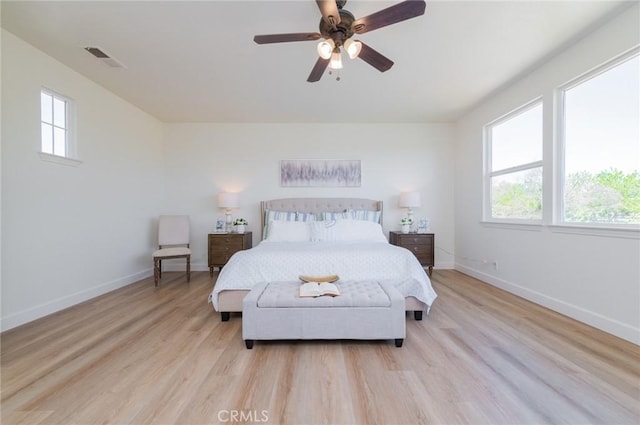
column 595, row 279
column 204, row 159
column 71, row 233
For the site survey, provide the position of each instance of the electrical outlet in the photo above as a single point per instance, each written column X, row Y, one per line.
column 484, row 260
column 495, row 265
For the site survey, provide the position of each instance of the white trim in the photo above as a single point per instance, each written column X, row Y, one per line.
column 593, row 230
column 50, row 307
column 62, row 160
column 606, row 324
column 528, row 225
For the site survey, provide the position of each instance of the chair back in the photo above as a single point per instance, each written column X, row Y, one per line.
column 173, row 230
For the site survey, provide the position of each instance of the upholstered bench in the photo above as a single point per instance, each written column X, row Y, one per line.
column 364, row 310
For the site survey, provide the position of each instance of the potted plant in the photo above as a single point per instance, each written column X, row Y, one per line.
column 406, row 223
column 240, row 224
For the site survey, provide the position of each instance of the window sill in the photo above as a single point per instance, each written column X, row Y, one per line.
column 533, row 226
column 584, row 229
column 62, row 160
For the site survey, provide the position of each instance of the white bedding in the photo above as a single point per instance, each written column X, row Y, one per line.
column 285, row 261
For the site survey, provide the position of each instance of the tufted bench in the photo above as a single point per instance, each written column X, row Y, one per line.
column 364, row 310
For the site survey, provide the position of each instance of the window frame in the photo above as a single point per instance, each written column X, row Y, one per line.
column 558, row 217
column 489, row 174
column 71, row 155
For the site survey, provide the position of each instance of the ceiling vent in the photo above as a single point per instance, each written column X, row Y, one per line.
column 105, row 58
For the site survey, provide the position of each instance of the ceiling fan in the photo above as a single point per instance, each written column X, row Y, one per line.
column 337, row 26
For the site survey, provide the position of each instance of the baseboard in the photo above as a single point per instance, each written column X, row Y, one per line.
column 37, row 312
column 606, row 324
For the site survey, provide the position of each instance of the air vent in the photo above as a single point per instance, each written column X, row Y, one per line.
column 105, row 58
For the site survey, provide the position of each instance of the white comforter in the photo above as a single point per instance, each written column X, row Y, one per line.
column 285, row 261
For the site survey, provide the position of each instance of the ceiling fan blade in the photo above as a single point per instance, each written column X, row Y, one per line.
column 391, row 15
column 285, row 38
column 330, row 13
column 318, row 70
column 375, row 59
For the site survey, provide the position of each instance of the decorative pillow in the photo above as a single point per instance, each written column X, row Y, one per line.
column 333, row 215
column 323, row 230
column 366, row 215
column 301, row 216
column 272, row 215
column 289, row 231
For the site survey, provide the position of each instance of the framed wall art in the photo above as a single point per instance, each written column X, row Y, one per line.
column 320, row 173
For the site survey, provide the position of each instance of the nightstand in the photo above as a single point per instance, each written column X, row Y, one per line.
column 223, row 245
column 421, row 244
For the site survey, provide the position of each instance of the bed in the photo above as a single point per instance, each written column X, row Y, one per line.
column 344, row 238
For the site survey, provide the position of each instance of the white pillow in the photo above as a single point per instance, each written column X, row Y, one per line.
column 359, row 230
column 347, row 230
column 289, row 231
column 272, row 215
column 324, row 230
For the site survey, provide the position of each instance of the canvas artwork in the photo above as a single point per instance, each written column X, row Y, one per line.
column 320, row 173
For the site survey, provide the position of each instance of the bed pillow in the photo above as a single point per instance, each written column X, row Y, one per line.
column 347, row 230
column 322, row 231
column 334, row 215
column 303, row 216
column 289, row 231
column 359, row 230
column 365, row 215
column 273, row 215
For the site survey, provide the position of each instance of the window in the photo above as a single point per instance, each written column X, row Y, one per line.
column 57, row 141
column 600, row 137
column 513, row 169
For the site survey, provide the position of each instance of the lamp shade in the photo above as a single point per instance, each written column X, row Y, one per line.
column 228, row 200
column 352, row 48
column 325, row 48
column 409, row 200
column 336, row 59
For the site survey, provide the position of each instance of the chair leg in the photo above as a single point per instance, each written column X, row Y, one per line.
column 160, row 268
column 189, row 269
column 155, row 271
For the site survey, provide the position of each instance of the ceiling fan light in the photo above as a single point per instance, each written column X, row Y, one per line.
column 336, row 59
column 325, row 48
column 353, row 48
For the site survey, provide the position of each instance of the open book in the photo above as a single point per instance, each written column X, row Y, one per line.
column 317, row 289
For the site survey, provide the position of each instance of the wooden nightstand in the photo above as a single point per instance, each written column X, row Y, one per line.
column 223, row 245
column 421, row 244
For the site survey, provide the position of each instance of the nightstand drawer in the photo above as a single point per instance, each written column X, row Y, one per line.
column 419, row 249
column 409, row 240
column 231, row 246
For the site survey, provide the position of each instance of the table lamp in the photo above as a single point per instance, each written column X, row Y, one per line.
column 409, row 200
column 228, row 201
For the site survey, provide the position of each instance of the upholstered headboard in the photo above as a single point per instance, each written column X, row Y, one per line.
column 318, row 205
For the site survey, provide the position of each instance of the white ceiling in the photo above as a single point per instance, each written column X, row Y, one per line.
column 197, row 62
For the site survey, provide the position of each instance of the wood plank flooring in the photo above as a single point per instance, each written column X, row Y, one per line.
column 146, row 355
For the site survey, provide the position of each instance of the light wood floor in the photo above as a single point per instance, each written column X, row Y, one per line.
column 144, row 355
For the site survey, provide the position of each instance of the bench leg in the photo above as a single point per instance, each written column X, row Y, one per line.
column 248, row 343
column 225, row 316
column 399, row 342
column 417, row 315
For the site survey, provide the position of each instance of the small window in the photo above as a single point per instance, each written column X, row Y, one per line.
column 601, row 145
column 513, row 177
column 56, row 127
